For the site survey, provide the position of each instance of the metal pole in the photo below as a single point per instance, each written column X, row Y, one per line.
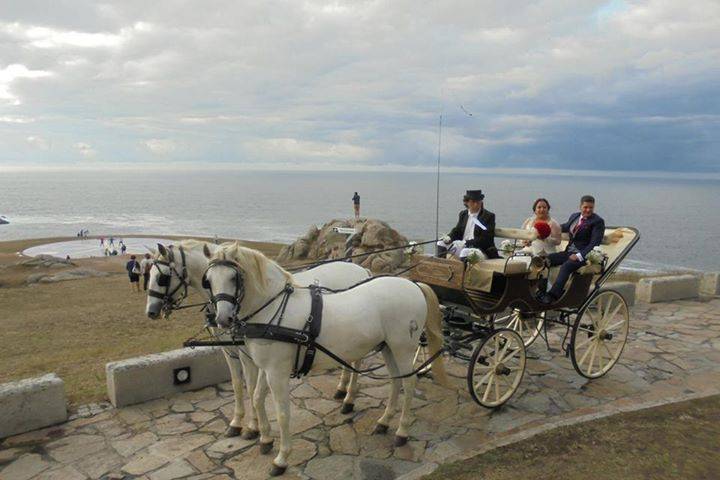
column 437, row 187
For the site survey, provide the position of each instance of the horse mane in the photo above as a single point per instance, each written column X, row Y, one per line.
column 253, row 265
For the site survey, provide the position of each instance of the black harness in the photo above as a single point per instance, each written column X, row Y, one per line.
column 164, row 280
column 273, row 330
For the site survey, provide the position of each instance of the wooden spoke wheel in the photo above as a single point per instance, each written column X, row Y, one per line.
column 496, row 368
column 599, row 334
column 421, row 356
column 527, row 324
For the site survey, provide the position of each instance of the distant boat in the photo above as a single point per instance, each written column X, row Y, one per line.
column 3, row 220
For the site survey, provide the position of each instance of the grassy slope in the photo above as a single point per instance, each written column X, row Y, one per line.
column 679, row 441
column 74, row 328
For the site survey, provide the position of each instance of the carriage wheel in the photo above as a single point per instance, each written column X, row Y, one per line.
column 421, row 356
column 527, row 324
column 599, row 334
column 496, row 368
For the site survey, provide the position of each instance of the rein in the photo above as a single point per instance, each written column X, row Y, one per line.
column 342, row 259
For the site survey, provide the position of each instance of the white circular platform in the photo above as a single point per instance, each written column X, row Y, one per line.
column 91, row 247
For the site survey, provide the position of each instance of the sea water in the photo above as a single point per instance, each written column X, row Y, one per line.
column 677, row 218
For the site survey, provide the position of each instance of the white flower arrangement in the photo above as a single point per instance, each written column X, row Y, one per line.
column 474, row 256
column 596, row 256
column 507, row 246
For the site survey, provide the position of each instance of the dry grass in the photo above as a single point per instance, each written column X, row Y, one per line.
column 74, row 328
column 679, row 441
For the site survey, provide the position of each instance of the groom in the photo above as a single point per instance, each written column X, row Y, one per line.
column 586, row 231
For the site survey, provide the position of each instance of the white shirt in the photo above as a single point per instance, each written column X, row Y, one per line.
column 470, row 226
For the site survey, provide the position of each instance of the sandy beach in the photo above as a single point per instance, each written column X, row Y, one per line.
column 73, row 328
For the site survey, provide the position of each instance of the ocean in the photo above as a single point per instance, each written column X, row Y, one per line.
column 676, row 217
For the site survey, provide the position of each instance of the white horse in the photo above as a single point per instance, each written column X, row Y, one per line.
column 171, row 263
column 387, row 313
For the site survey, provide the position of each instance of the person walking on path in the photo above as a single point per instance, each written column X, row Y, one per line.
column 133, row 269
column 356, row 205
column 145, row 266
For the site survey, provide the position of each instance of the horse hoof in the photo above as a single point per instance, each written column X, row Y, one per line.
column 233, row 431
column 380, row 429
column 347, row 408
column 400, row 441
column 277, row 471
column 339, row 395
column 250, row 434
column 266, row 448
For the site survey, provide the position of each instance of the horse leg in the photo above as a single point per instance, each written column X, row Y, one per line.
column 352, row 390
column 384, row 421
column 401, row 435
column 235, row 427
column 280, row 387
column 251, row 378
column 341, row 391
column 266, row 441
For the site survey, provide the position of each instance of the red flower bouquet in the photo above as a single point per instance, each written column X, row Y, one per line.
column 543, row 230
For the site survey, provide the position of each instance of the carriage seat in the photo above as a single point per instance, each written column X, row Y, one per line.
column 614, row 242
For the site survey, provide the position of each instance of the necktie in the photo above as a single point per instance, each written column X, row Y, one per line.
column 579, row 224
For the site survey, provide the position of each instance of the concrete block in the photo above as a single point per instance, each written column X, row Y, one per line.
column 666, row 289
column 710, row 283
column 626, row 289
column 140, row 379
column 32, row 403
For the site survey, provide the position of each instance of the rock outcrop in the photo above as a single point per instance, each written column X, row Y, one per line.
column 327, row 243
column 46, row 261
column 75, row 274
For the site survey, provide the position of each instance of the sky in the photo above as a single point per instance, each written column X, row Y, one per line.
column 557, row 84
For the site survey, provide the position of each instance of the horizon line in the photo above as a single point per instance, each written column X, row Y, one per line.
column 395, row 168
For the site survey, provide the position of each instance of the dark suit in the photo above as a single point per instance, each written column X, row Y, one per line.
column 582, row 240
column 482, row 239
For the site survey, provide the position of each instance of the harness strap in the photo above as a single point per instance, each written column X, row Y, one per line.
column 312, row 327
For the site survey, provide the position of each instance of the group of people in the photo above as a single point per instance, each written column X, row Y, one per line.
column 475, row 229
column 109, row 247
column 83, row 233
column 135, row 269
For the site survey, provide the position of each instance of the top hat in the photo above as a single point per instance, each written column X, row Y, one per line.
column 476, row 195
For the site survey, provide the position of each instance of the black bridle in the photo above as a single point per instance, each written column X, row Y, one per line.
column 235, row 299
column 165, row 280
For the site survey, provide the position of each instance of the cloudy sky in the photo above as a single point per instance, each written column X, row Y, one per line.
column 566, row 84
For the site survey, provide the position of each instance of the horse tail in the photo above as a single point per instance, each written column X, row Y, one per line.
column 433, row 329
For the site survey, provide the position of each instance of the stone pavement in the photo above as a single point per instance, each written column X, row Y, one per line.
column 673, row 353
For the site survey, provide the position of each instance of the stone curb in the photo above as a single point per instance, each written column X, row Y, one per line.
column 665, row 289
column 140, row 379
column 32, row 403
column 606, row 411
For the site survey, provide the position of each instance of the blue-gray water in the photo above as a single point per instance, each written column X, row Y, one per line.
column 678, row 219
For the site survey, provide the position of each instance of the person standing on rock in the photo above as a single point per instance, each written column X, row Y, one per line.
column 356, row 205
column 133, row 269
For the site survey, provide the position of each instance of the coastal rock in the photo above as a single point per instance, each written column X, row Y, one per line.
column 76, row 274
column 47, row 261
column 370, row 235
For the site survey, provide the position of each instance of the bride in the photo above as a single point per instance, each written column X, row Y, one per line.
column 549, row 231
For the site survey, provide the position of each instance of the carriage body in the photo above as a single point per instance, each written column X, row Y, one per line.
column 491, row 311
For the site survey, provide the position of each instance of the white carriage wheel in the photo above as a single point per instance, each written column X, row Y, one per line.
column 496, row 368
column 599, row 334
column 421, row 356
column 527, row 325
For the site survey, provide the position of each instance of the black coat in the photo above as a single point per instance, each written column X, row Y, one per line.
column 590, row 234
column 482, row 239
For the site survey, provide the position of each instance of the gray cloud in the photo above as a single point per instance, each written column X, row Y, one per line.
column 590, row 85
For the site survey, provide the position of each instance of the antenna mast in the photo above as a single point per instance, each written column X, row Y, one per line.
column 437, row 187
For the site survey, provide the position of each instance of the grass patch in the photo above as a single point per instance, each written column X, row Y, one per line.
column 678, row 441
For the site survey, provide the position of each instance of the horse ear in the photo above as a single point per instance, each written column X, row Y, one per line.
column 163, row 251
column 206, row 251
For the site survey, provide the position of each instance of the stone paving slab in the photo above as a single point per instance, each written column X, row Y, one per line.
column 673, row 354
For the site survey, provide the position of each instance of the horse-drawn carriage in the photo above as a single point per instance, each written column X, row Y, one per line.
column 491, row 313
